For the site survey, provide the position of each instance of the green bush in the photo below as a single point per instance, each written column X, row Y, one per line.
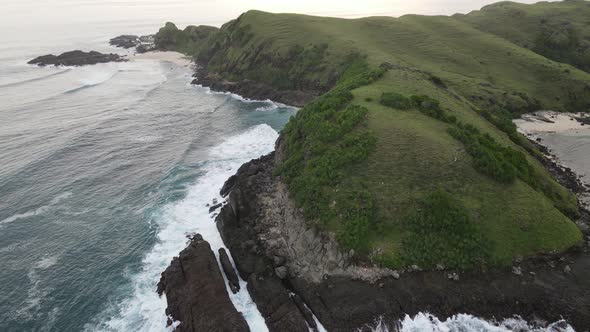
column 440, row 231
column 396, row 100
column 321, row 142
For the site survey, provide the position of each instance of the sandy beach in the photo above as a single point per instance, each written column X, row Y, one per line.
column 549, row 122
column 169, row 56
column 566, row 138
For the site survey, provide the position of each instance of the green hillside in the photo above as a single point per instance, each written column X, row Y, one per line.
column 409, row 156
column 557, row 30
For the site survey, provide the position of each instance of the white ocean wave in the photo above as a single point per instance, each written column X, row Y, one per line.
column 464, row 323
column 144, row 310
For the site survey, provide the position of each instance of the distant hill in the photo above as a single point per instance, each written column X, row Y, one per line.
column 559, row 31
column 408, row 154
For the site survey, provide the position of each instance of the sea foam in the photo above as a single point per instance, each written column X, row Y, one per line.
column 464, row 322
column 143, row 309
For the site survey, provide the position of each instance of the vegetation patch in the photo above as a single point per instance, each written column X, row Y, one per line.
column 502, row 163
column 441, row 231
column 322, row 141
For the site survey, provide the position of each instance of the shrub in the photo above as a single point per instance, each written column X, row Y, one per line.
column 396, row 100
column 321, row 142
column 441, row 231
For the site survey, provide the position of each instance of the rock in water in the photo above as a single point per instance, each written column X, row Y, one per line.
column 230, row 273
column 125, row 41
column 76, row 58
column 196, row 293
column 142, row 44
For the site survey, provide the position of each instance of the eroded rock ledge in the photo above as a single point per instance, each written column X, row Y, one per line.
column 280, row 255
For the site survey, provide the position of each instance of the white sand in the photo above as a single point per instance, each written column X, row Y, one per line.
column 549, row 122
column 174, row 57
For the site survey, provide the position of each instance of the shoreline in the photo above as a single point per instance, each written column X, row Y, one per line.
column 544, row 129
column 168, row 56
column 551, row 122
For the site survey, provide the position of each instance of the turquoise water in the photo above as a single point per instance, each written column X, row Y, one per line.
column 105, row 170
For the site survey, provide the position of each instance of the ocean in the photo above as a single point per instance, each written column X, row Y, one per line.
column 106, row 170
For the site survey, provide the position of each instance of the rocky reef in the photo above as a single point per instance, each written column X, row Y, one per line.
column 76, row 58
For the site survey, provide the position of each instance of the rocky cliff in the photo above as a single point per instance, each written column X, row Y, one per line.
column 279, row 254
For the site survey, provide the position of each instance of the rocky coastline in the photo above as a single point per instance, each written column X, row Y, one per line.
column 252, row 89
column 295, row 271
column 282, row 259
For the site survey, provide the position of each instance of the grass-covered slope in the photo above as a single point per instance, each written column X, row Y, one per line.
column 441, row 178
column 557, row 30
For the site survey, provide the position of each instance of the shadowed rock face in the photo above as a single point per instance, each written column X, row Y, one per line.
column 196, row 292
column 228, row 269
column 76, row 58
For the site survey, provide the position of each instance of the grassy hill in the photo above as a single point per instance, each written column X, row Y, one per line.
column 409, row 156
column 557, row 30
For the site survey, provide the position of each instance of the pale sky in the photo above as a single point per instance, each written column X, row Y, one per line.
column 214, row 12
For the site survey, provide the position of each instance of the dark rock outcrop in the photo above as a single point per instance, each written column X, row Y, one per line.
column 253, row 89
column 125, row 41
column 230, row 273
column 212, row 208
column 274, row 302
column 264, row 231
column 142, row 44
column 269, row 292
column 76, row 58
column 196, row 292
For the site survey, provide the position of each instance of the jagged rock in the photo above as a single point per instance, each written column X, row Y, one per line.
column 196, row 293
column 215, row 207
column 275, row 304
column 282, row 272
column 305, row 312
column 440, row 267
column 76, row 58
column 453, row 276
column 228, row 269
column 278, row 260
column 395, row 275
column 125, row 41
column 517, row 270
column 228, row 185
column 142, row 44
column 567, row 269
